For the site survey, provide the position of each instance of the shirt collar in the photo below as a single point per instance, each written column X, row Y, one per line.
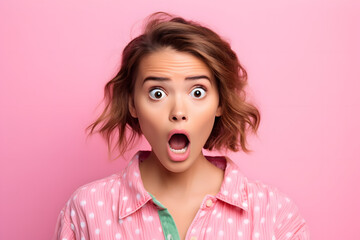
column 132, row 192
column 133, row 195
column 234, row 186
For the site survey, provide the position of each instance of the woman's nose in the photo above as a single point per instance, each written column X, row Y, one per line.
column 178, row 116
column 178, row 112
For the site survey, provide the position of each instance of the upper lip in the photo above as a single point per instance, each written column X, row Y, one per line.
column 178, row 131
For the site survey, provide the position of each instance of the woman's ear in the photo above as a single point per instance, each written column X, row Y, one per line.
column 218, row 112
column 132, row 108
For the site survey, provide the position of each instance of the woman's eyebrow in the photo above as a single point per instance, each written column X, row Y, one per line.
column 167, row 79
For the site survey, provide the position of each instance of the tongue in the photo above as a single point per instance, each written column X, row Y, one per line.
column 178, row 141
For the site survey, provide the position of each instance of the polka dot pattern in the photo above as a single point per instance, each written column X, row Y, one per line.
column 117, row 207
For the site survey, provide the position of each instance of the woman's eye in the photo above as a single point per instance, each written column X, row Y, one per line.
column 157, row 94
column 198, row 92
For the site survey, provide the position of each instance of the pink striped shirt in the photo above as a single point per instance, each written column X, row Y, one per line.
column 118, row 207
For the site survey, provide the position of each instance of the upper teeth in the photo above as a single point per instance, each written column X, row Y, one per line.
column 178, row 150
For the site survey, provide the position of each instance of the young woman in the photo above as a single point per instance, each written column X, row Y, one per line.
column 182, row 87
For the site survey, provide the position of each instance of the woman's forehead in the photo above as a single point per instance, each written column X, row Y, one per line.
column 169, row 62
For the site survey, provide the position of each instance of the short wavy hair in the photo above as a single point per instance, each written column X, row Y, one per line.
column 164, row 30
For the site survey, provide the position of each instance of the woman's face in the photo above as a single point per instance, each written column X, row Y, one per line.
column 176, row 101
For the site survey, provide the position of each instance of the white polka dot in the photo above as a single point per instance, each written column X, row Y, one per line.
column 250, row 195
column 130, row 184
column 160, row 229
column 218, row 215
column 246, row 221
column 136, row 174
column 221, row 233
column 287, row 199
column 129, row 218
column 208, row 229
column 74, row 197
column 83, row 188
column 225, row 192
column 202, row 213
column 91, row 215
column 113, row 208
column 257, row 235
column 104, row 184
column 97, row 231
column 124, row 175
column 138, row 196
column 274, row 219
column 260, row 194
column 82, row 224
column 169, row 237
column 64, row 239
column 128, row 210
column 228, row 179
column 137, row 231
column 257, row 208
column 289, row 234
column 83, row 203
column 240, row 234
column 279, row 205
column 262, row 220
column 125, row 198
column 236, row 195
column 112, row 190
column 150, row 218
column 100, row 203
column 72, row 227
column 273, row 238
column 271, row 194
column 118, row 236
column 245, row 204
column 234, row 171
column 230, row 220
column 72, row 213
column 290, row 215
column 214, row 212
column 280, row 225
column 108, row 222
column 82, row 238
column 121, row 221
column 93, row 190
column 193, row 231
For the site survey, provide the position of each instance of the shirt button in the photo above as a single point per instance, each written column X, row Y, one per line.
column 209, row 203
column 193, row 238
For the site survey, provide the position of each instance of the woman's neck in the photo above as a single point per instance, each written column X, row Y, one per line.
column 200, row 179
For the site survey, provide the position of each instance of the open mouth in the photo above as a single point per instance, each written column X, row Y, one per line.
column 178, row 143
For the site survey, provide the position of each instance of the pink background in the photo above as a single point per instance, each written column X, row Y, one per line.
column 303, row 60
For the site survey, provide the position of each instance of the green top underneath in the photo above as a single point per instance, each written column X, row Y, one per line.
column 167, row 222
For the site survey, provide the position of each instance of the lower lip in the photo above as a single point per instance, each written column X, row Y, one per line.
column 179, row 157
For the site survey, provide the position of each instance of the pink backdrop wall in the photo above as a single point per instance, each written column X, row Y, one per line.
column 303, row 60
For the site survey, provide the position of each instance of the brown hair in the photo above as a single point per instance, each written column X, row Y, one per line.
column 164, row 30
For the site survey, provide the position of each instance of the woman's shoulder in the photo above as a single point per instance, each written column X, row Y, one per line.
column 269, row 200
column 258, row 190
column 96, row 192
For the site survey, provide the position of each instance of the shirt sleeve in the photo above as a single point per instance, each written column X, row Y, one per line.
column 64, row 227
column 289, row 224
